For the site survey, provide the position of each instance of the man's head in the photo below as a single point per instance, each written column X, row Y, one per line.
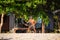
column 30, row 17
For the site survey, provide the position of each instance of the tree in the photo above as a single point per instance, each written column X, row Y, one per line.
column 1, row 21
column 31, row 7
column 22, row 7
column 4, row 9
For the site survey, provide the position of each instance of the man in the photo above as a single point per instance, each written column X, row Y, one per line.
column 21, row 21
column 21, row 24
column 38, row 24
column 32, row 23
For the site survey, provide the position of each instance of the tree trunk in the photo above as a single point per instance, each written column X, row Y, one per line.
column 1, row 21
column 43, row 27
column 58, row 22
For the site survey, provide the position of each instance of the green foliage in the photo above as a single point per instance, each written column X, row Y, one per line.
column 30, row 7
column 26, row 9
column 28, row 4
column 44, row 17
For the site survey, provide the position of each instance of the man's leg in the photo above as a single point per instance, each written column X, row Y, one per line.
column 34, row 29
column 29, row 28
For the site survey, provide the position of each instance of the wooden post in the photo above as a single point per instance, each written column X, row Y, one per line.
column 58, row 22
column 43, row 27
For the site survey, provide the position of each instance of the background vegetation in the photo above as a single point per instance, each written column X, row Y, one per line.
column 42, row 8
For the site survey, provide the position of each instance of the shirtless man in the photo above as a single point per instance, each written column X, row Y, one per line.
column 32, row 22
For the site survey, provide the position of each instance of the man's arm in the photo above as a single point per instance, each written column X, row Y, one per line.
column 34, row 21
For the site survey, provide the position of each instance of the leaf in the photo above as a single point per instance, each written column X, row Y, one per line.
column 7, row 9
column 28, row 4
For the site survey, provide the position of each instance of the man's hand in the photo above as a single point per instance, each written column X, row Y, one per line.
column 25, row 24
